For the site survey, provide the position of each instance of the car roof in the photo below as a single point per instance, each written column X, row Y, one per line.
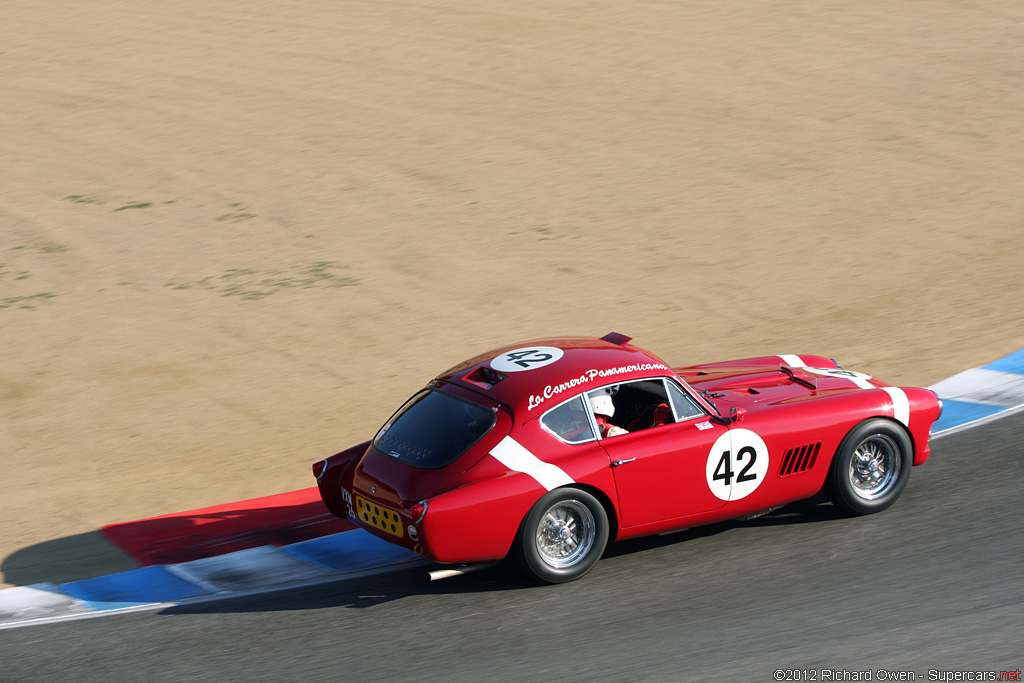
column 532, row 376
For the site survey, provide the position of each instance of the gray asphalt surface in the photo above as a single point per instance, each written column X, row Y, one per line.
column 934, row 583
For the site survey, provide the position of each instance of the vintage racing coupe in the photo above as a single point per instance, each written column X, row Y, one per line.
column 546, row 450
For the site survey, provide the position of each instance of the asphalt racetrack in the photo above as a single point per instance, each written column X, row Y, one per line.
column 932, row 584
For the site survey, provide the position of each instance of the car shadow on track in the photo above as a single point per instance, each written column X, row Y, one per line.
column 371, row 591
column 171, row 539
column 71, row 558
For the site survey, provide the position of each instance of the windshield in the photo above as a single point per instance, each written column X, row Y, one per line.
column 433, row 429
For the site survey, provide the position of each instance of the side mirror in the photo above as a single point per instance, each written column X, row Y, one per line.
column 735, row 415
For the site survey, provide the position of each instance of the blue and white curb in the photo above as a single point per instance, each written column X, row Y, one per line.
column 980, row 395
column 349, row 554
column 970, row 398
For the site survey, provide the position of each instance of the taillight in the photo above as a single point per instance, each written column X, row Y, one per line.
column 418, row 511
column 318, row 469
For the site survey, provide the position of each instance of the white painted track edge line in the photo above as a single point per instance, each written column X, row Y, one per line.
column 91, row 614
column 393, row 567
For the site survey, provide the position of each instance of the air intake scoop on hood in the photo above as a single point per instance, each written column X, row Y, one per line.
column 800, row 377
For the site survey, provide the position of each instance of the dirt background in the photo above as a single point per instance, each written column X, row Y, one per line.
column 235, row 235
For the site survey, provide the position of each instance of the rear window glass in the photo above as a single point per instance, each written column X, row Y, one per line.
column 433, row 429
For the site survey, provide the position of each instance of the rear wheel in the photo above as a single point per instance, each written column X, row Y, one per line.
column 871, row 468
column 563, row 536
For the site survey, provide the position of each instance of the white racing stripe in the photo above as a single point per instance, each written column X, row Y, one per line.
column 514, row 456
column 900, row 404
column 859, row 379
column 863, row 383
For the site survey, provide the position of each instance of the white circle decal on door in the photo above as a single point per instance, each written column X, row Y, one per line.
column 737, row 464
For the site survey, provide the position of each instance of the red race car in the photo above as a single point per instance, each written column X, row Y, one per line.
column 547, row 450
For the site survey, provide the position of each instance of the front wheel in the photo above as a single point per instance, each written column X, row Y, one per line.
column 871, row 468
column 563, row 536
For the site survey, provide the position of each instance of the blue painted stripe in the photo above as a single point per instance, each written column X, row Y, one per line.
column 1012, row 363
column 956, row 413
column 350, row 551
column 129, row 589
column 1000, row 392
column 359, row 550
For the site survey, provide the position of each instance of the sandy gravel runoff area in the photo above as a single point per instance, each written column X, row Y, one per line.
column 236, row 235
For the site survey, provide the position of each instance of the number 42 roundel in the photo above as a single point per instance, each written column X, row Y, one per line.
column 737, row 464
column 526, row 358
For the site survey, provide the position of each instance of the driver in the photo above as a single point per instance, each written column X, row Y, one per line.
column 604, row 409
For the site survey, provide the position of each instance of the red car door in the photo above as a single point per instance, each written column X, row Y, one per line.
column 660, row 473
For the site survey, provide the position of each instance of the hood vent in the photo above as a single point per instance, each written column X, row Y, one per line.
column 799, row 459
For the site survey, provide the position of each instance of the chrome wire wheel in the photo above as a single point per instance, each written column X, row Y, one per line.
column 565, row 533
column 563, row 536
column 871, row 467
column 875, row 467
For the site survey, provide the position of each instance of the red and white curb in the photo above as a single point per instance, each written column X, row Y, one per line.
column 264, row 569
column 970, row 398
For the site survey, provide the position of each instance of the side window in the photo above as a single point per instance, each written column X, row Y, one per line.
column 570, row 422
column 630, row 406
column 686, row 408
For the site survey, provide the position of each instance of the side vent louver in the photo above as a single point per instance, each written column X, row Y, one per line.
column 799, row 459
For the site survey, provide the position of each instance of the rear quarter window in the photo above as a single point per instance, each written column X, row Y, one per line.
column 570, row 422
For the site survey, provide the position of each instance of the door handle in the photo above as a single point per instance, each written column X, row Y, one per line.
column 622, row 462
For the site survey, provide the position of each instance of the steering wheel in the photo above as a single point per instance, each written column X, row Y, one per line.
column 645, row 420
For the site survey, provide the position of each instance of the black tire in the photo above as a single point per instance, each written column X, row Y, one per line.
column 871, row 468
column 562, row 537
